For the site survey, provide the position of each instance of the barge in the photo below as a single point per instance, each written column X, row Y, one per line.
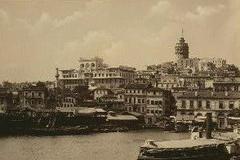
column 196, row 148
column 200, row 149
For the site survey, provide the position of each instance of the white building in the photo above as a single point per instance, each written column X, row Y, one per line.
column 114, row 77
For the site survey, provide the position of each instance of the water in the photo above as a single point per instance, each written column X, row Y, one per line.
column 102, row 146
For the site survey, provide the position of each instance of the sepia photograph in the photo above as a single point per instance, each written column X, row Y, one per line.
column 120, row 80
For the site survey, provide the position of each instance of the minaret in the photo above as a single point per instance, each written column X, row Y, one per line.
column 57, row 77
column 181, row 48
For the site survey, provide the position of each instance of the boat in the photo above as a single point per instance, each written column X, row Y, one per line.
column 60, row 131
column 200, row 149
column 195, row 148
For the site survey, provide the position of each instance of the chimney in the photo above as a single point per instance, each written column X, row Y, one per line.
column 209, row 126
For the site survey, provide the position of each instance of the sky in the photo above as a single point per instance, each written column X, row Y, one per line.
column 36, row 36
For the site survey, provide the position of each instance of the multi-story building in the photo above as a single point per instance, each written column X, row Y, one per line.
column 195, row 81
column 151, row 101
column 100, row 92
column 168, row 81
column 69, row 78
column 68, row 99
column 135, row 97
column 227, row 84
column 217, row 62
column 114, row 77
column 198, row 103
column 90, row 65
column 34, row 97
column 191, row 64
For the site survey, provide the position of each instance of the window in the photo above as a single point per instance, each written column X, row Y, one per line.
column 139, row 100
column 152, row 102
column 231, row 104
column 160, row 102
column 207, row 104
column 183, row 104
column 191, row 103
column 143, row 101
column 199, row 104
column 221, row 105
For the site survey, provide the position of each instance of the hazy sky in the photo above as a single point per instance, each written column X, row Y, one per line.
column 36, row 36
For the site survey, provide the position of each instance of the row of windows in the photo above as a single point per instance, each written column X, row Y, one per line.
column 113, row 75
column 108, row 81
column 34, row 102
column 105, row 75
column 73, row 81
column 152, row 102
column 134, row 100
column 139, row 109
column 33, row 94
column 68, row 105
column 70, row 76
column 134, row 91
column 154, row 111
column 142, row 92
column 87, row 65
column 69, row 100
column 208, row 104
column 101, row 92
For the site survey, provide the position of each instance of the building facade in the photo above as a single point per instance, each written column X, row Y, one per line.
column 198, row 103
column 34, row 97
column 114, row 77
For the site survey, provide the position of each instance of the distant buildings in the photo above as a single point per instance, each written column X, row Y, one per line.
column 198, row 85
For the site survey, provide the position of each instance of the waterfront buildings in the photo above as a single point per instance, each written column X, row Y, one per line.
column 33, row 97
column 153, row 102
column 197, row 104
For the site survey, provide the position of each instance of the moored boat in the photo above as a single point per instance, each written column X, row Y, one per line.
column 196, row 148
column 201, row 149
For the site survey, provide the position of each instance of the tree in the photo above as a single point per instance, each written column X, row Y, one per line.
column 82, row 93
